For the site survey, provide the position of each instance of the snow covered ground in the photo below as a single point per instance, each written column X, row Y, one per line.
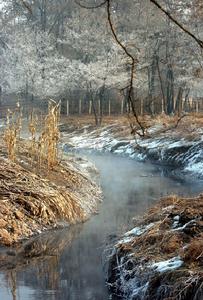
column 165, row 149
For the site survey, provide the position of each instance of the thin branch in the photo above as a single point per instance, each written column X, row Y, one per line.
column 133, row 63
column 115, row 35
column 4, row 44
column 200, row 42
column 27, row 6
column 161, row 83
column 178, row 121
column 91, row 7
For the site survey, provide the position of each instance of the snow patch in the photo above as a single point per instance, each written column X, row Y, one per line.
column 140, row 290
column 161, row 148
column 176, row 221
column 196, row 168
column 182, row 227
column 136, row 231
column 125, row 240
column 167, row 265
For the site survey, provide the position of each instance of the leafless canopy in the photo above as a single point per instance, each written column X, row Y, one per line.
column 133, row 59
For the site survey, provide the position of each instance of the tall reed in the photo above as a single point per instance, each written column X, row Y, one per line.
column 12, row 132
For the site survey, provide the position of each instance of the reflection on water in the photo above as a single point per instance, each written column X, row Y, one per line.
column 67, row 264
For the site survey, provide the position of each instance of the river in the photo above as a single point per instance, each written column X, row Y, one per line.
column 72, row 267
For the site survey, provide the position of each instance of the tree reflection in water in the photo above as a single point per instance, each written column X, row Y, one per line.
column 42, row 255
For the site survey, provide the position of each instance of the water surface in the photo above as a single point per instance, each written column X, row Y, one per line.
column 67, row 264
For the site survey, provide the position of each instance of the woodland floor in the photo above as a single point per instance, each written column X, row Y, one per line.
column 186, row 126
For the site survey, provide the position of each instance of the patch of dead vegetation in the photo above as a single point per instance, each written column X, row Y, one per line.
column 177, row 229
column 175, row 232
column 29, row 203
column 39, row 190
column 186, row 126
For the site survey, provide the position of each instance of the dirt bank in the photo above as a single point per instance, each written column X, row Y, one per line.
column 162, row 256
column 34, row 200
column 167, row 141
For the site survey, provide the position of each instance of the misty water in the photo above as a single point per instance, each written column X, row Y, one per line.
column 72, row 267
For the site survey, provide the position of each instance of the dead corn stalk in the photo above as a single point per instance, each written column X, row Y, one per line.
column 12, row 132
column 49, row 138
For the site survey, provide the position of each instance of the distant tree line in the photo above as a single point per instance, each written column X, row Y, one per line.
column 59, row 49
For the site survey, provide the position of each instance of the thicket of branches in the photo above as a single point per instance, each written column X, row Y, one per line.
column 60, row 49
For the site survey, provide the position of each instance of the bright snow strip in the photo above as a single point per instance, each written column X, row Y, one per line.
column 136, row 231
column 125, row 240
column 195, row 168
column 167, row 265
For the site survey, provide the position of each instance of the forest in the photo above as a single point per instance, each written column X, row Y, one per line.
column 59, row 49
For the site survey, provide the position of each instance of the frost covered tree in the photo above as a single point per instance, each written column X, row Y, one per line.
column 59, row 49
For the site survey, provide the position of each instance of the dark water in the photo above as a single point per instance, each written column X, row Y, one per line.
column 67, row 264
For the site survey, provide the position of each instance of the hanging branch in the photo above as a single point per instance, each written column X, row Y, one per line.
column 27, row 6
column 91, row 7
column 133, row 63
column 200, row 42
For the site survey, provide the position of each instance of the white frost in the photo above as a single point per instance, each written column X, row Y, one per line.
column 125, row 240
column 136, row 231
column 167, row 265
column 139, row 290
column 195, row 168
column 181, row 227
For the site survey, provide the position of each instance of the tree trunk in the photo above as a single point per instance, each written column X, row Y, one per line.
column 141, row 107
column 170, row 90
column 151, row 81
column 109, row 107
column 163, row 100
column 99, row 107
column 178, row 106
column 67, row 108
column 197, row 106
column 90, row 107
column 80, row 106
column 122, row 105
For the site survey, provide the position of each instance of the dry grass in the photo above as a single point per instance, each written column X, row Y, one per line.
column 43, row 146
column 161, row 242
column 193, row 253
column 188, row 126
column 37, row 190
column 30, row 204
column 133, row 261
column 12, row 132
column 49, row 138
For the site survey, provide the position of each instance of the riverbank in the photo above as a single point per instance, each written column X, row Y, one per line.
column 162, row 256
column 37, row 199
column 168, row 141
